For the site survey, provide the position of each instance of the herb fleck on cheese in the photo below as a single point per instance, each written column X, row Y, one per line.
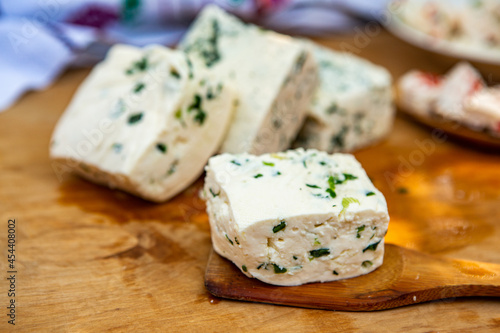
column 117, row 147
column 135, row 118
column 161, row 147
column 138, row 66
column 279, row 270
column 280, row 226
column 359, row 230
column 366, row 264
column 175, row 73
column 215, row 195
column 138, row 87
column 319, row 252
column 346, row 202
column 371, row 247
column 196, row 106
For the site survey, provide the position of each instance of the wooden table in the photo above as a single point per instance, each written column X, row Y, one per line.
column 93, row 259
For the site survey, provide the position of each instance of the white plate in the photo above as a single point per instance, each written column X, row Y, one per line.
column 454, row 49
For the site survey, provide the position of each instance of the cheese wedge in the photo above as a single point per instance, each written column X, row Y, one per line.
column 144, row 121
column 352, row 107
column 295, row 217
column 274, row 75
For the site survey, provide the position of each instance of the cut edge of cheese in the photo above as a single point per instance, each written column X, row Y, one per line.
column 181, row 126
column 275, row 75
column 354, row 110
column 323, row 243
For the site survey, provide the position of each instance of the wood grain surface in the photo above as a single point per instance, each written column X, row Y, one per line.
column 93, row 259
column 407, row 277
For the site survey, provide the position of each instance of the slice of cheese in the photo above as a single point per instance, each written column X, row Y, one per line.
column 274, row 75
column 295, row 217
column 484, row 107
column 418, row 92
column 460, row 82
column 144, row 121
column 352, row 107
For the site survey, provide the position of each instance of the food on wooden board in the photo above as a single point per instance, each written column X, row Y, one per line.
column 147, row 120
column 353, row 104
column 144, row 121
column 295, row 217
column 275, row 76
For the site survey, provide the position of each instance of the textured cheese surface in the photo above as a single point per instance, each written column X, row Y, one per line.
column 295, row 217
column 460, row 82
column 484, row 108
column 145, row 121
column 274, row 75
column 418, row 92
column 352, row 107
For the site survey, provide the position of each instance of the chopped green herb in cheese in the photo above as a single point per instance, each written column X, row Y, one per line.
column 213, row 193
column 359, row 230
column 280, row 226
column 319, row 252
column 279, row 270
column 135, row 118
column 371, row 247
column 161, row 147
column 139, row 86
column 346, row 202
column 366, row 264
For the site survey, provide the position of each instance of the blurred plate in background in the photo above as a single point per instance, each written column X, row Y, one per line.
column 408, row 22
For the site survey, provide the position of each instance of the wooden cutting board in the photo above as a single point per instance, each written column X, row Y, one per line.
column 93, row 259
column 406, row 277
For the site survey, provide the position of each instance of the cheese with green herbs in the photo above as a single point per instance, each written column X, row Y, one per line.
column 274, row 74
column 295, row 217
column 352, row 107
column 144, row 121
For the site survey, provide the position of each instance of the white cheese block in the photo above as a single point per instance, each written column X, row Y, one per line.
column 352, row 107
column 460, row 82
column 295, row 217
column 144, row 121
column 274, row 75
column 418, row 92
column 484, row 107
